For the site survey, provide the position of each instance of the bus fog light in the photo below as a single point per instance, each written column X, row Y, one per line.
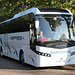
column 43, row 54
column 49, row 55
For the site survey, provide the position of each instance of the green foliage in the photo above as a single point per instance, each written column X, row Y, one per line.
column 8, row 8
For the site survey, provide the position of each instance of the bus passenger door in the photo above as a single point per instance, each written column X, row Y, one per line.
column 32, row 38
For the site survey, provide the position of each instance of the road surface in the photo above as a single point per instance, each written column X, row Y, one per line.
column 12, row 67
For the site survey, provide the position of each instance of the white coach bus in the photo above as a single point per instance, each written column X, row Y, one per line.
column 41, row 37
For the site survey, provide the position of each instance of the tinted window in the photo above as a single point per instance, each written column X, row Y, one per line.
column 17, row 25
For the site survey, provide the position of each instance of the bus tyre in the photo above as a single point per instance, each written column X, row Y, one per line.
column 1, row 52
column 22, row 57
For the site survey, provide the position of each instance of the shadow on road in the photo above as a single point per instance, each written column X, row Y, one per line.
column 60, row 68
column 7, row 63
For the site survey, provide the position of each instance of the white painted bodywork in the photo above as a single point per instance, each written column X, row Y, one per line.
column 58, row 57
column 14, row 42
column 36, row 11
column 18, row 41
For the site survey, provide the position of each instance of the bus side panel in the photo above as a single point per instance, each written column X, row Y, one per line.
column 21, row 41
column 17, row 42
column 14, row 42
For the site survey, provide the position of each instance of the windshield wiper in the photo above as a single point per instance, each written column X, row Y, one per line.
column 67, row 41
column 56, row 41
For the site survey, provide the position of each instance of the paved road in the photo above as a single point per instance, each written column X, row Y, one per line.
column 13, row 67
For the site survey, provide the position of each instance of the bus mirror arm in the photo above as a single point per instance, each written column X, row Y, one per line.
column 37, row 31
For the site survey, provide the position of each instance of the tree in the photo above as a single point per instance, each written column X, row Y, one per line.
column 8, row 8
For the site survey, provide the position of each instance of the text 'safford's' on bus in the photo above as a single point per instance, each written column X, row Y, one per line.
column 41, row 37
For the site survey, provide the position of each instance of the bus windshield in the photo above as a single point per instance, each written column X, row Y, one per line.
column 52, row 28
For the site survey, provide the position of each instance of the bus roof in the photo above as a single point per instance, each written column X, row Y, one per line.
column 44, row 10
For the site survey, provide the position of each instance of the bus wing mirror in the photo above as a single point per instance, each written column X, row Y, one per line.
column 37, row 26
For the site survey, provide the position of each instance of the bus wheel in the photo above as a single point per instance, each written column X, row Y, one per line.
column 22, row 57
column 1, row 52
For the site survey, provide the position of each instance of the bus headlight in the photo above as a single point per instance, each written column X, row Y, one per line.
column 44, row 54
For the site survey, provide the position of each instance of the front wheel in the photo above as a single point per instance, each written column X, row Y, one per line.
column 22, row 57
